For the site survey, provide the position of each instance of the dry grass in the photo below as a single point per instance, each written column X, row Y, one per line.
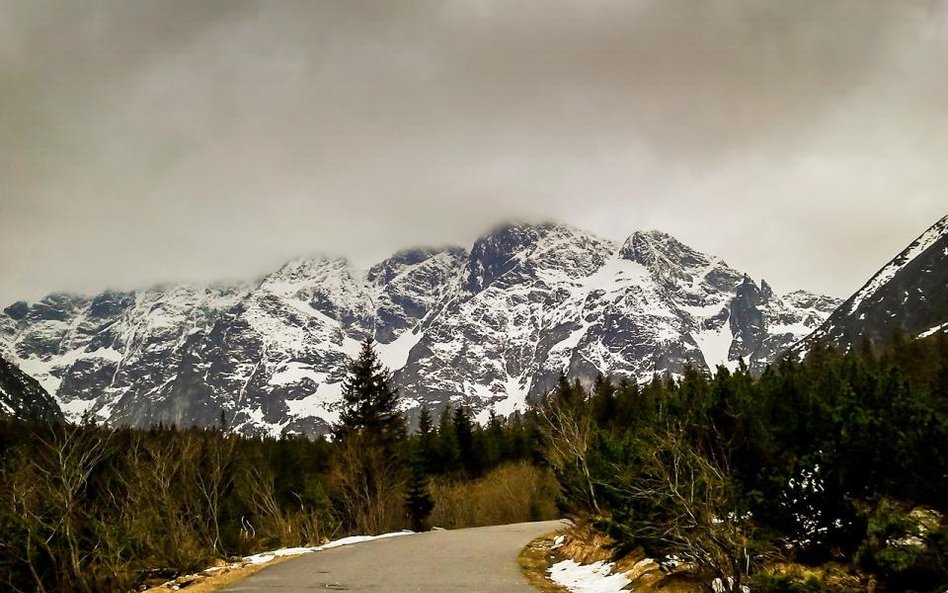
column 835, row 577
column 536, row 559
column 585, row 545
column 509, row 494
column 208, row 583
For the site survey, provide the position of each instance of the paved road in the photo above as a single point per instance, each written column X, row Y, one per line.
column 480, row 560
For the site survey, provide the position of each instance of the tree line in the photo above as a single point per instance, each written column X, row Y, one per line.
column 839, row 460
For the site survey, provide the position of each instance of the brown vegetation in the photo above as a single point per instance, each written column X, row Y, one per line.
column 535, row 560
column 208, row 581
column 511, row 493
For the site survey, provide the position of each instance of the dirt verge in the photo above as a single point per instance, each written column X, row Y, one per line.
column 535, row 560
column 585, row 545
column 211, row 580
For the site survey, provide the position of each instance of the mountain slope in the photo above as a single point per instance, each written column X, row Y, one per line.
column 93, row 353
column 22, row 397
column 488, row 328
column 909, row 294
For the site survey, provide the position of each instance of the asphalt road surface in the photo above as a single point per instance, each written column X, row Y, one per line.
column 479, row 560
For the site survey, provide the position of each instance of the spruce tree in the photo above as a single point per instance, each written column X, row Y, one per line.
column 426, row 436
column 418, row 501
column 464, row 432
column 449, row 454
column 370, row 468
column 494, row 443
column 604, row 401
column 369, row 403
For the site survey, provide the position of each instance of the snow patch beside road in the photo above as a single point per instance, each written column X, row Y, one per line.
column 588, row 578
column 346, row 541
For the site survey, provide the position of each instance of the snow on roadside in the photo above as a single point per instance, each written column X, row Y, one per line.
column 588, row 578
column 346, row 541
column 264, row 557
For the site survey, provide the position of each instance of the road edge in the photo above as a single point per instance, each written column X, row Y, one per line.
column 211, row 582
column 535, row 560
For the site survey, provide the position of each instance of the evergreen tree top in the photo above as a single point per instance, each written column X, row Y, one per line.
column 369, row 401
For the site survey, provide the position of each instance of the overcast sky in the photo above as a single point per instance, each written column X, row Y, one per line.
column 804, row 141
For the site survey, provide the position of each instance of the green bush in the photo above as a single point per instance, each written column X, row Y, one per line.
column 908, row 549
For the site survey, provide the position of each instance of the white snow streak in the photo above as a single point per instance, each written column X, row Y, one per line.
column 934, row 330
column 293, row 372
column 715, row 346
column 75, row 409
column 346, row 541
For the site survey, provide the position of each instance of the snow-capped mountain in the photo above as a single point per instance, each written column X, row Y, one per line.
column 910, row 293
column 489, row 327
column 22, row 397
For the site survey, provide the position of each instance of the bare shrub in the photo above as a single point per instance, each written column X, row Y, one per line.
column 370, row 484
column 48, row 499
column 685, row 505
column 567, row 427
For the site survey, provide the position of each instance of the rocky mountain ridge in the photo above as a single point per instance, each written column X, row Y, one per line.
column 488, row 327
column 22, row 397
column 909, row 294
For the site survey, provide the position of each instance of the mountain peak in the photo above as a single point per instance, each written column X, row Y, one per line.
column 386, row 270
column 658, row 250
column 677, row 265
column 935, row 234
column 529, row 247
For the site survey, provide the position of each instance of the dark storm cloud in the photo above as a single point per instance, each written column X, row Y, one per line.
column 147, row 141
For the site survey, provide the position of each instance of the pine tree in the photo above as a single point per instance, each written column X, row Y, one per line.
column 495, row 447
column 369, row 403
column 941, row 352
column 418, row 501
column 604, row 401
column 426, row 436
column 449, row 454
column 370, row 467
column 464, row 432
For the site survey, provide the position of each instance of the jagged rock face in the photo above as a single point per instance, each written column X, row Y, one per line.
column 490, row 328
column 487, row 343
column 411, row 284
column 91, row 353
column 909, row 294
column 22, row 397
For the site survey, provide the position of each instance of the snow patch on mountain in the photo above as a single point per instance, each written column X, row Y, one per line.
column 715, row 345
column 395, row 354
column 908, row 295
column 22, row 397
